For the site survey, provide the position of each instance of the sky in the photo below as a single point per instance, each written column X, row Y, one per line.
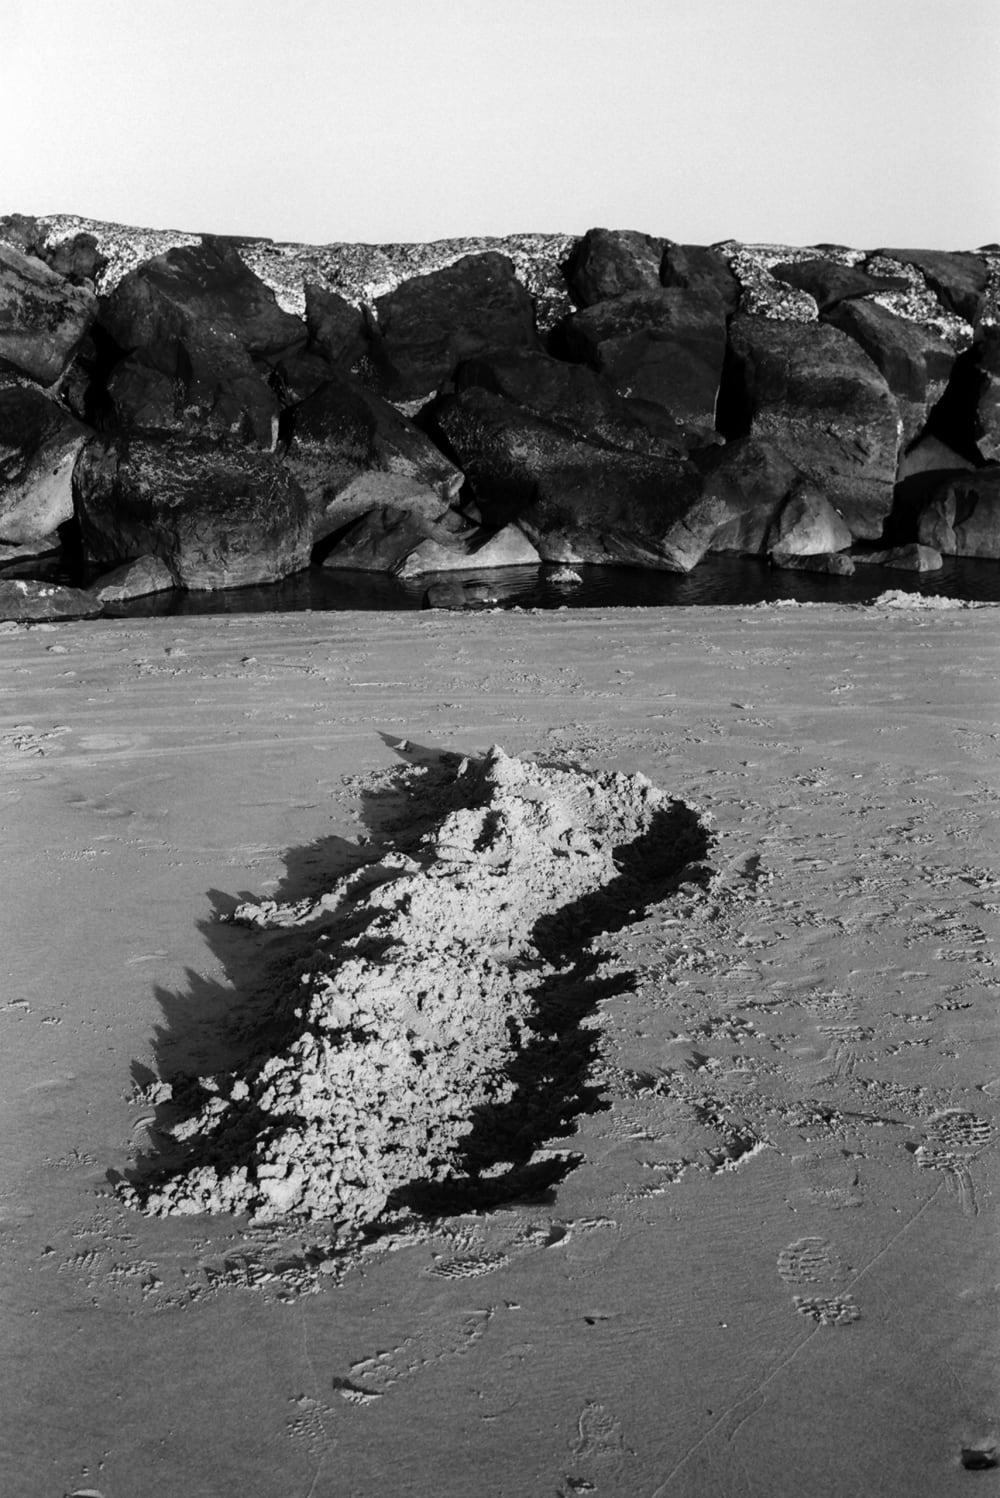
column 860, row 122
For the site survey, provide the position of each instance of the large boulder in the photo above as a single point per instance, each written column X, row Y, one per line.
column 578, row 398
column 962, row 518
column 808, row 525
column 607, row 263
column 351, row 452
column 208, row 385
column 430, row 323
column 696, row 267
column 830, row 282
column 751, row 480
column 39, row 442
column 665, row 346
column 30, row 601
column 916, row 362
column 577, row 501
column 219, row 516
column 201, row 333
column 43, row 317
column 812, row 391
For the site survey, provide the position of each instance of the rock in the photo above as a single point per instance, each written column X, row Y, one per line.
column 337, row 330
column 29, row 601
column 78, row 258
column 509, row 547
column 382, row 539
column 963, row 517
column 578, row 398
column 136, row 579
column 576, row 501
column 212, row 387
column 958, row 278
column 752, row 480
column 986, row 421
column 912, row 558
column 915, row 362
column 39, row 443
column 808, row 525
column 13, row 555
column 695, row 267
column 201, row 331
column 564, row 577
column 836, row 563
column 831, row 282
column 665, row 346
column 430, row 323
column 352, row 452
column 219, row 516
column 608, row 263
column 42, row 317
column 199, row 290
column 812, row 392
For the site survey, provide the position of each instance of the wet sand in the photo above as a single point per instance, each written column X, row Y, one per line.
column 773, row 1265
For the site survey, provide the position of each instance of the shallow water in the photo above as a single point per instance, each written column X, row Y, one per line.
column 717, row 580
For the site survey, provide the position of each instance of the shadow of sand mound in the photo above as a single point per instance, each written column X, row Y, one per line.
column 412, row 1033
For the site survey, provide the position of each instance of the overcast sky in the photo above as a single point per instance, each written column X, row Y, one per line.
column 866, row 122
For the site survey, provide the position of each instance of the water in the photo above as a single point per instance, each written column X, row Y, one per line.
column 726, row 580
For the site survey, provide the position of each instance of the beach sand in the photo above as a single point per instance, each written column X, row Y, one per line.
column 773, row 1266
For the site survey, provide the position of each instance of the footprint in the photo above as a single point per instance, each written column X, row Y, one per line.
column 449, row 1336
column 809, row 1261
column 839, row 1311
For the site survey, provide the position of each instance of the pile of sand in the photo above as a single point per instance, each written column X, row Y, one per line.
column 431, row 975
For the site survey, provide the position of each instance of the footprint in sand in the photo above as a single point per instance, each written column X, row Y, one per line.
column 809, row 1261
column 814, row 1261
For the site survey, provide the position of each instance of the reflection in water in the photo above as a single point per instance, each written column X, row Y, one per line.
column 717, row 580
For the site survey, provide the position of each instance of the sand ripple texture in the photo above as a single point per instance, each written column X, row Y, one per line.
column 396, row 1033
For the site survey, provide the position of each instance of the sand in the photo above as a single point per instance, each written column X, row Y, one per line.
column 740, row 1237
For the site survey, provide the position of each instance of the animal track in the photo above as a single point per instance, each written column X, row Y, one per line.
column 808, row 1261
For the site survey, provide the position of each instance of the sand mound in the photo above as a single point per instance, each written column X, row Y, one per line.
column 427, row 1034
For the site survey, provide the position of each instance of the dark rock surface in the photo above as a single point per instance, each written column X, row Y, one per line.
column 816, row 395
column 352, row 452
column 608, row 263
column 916, row 362
column 219, row 517
column 428, row 325
column 666, row 346
column 576, row 500
column 695, row 267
